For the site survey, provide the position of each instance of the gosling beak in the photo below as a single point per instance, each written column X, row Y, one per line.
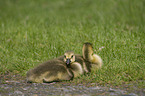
column 68, row 61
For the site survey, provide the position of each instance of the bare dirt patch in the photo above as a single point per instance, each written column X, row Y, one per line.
column 16, row 85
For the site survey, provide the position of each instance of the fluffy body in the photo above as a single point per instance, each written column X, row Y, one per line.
column 52, row 70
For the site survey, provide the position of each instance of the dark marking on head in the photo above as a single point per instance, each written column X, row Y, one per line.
column 87, row 43
column 72, row 56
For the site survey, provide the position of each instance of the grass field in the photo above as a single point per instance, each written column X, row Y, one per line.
column 33, row 31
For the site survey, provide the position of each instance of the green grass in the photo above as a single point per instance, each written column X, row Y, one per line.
column 33, row 31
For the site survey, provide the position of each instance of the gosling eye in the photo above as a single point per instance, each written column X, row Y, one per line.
column 64, row 56
column 72, row 56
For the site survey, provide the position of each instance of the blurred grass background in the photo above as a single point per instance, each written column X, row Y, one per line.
column 33, row 31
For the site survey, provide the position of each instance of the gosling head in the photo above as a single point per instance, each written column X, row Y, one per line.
column 87, row 49
column 69, row 57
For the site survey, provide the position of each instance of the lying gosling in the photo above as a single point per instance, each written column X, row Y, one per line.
column 88, row 55
column 62, row 68
column 52, row 70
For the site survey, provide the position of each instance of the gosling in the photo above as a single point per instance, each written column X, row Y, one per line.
column 62, row 68
column 52, row 70
column 88, row 55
